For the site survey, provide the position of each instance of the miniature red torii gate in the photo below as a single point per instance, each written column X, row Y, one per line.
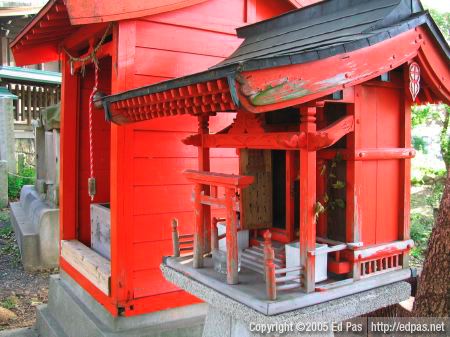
column 232, row 184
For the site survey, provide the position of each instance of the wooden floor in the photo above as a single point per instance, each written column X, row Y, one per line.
column 251, row 289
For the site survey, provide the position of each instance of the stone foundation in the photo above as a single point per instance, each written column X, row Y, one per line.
column 71, row 311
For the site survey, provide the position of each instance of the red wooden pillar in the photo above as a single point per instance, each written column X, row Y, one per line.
column 405, row 167
column 321, row 182
column 204, row 165
column 199, row 233
column 69, row 138
column 231, row 238
column 354, row 179
column 307, row 200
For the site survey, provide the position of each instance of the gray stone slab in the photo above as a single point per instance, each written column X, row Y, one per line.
column 335, row 310
column 71, row 311
column 36, row 226
column 251, row 289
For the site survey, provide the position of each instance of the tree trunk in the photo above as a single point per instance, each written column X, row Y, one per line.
column 444, row 138
column 433, row 292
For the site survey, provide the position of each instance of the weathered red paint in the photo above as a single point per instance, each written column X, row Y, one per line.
column 231, row 184
column 331, row 134
column 231, row 238
column 271, row 286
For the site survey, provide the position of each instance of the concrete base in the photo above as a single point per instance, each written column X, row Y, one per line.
column 71, row 311
column 230, row 318
column 36, row 225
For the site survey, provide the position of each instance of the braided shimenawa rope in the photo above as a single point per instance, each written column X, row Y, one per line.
column 91, row 182
column 92, row 56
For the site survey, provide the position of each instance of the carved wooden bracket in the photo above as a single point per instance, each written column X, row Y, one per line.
column 330, row 135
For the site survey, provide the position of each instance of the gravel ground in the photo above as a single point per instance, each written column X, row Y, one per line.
column 20, row 291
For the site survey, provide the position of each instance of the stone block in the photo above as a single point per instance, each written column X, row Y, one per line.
column 36, row 226
column 7, row 140
column 3, row 183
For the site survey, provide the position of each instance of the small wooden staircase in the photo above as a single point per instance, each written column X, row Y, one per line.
column 253, row 258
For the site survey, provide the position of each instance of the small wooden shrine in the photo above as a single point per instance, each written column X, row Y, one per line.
column 323, row 99
column 112, row 233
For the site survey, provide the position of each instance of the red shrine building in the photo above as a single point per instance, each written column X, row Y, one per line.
column 114, row 230
column 319, row 207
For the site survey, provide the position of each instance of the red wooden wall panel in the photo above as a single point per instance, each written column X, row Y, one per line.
column 381, row 125
column 165, row 63
column 184, row 39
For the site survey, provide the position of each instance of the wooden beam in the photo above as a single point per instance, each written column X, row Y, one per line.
column 88, row 263
column 384, row 153
column 363, row 154
column 218, row 179
column 379, row 251
column 272, row 141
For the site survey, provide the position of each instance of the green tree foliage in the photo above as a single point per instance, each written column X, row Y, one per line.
column 25, row 176
column 440, row 114
column 443, row 22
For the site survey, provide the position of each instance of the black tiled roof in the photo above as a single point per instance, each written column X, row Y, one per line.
column 325, row 29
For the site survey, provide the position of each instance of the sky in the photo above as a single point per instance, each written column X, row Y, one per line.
column 441, row 5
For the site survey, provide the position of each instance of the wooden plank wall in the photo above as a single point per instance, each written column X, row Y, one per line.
column 31, row 99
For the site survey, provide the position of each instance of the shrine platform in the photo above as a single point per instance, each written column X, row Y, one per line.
column 211, row 286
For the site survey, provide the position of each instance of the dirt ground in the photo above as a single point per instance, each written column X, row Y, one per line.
column 20, row 291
